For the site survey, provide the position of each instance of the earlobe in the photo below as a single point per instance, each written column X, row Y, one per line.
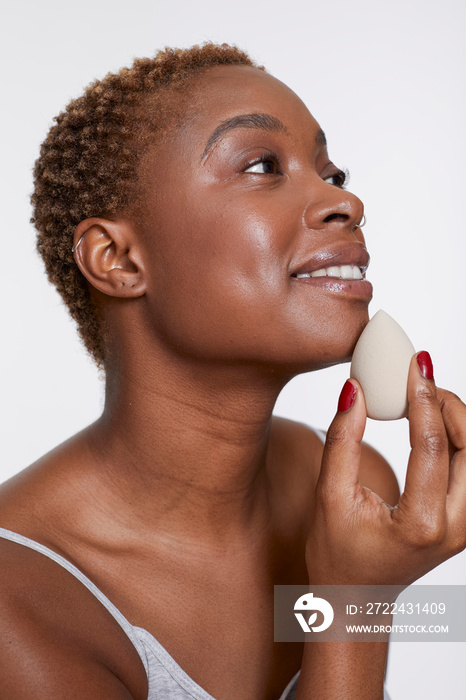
column 108, row 255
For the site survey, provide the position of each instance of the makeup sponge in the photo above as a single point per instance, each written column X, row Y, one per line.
column 380, row 363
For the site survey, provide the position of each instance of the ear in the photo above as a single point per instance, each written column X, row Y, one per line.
column 108, row 255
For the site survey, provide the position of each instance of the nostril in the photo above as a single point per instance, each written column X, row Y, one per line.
column 336, row 216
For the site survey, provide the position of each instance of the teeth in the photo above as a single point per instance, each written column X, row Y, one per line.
column 346, row 272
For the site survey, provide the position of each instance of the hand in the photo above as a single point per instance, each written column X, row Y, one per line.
column 355, row 537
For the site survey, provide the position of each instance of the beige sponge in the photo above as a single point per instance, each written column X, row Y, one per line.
column 380, row 363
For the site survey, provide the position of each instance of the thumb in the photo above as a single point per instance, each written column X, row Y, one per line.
column 342, row 452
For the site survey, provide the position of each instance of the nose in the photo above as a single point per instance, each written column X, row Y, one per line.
column 334, row 207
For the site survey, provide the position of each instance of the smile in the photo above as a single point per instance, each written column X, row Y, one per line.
column 344, row 272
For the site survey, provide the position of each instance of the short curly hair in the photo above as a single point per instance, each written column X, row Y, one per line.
column 88, row 163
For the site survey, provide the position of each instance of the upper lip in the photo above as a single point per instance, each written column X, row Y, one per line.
column 342, row 254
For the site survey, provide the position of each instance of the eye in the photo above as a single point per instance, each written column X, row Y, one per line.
column 265, row 165
column 338, row 179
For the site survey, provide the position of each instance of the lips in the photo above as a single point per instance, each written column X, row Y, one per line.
column 348, row 262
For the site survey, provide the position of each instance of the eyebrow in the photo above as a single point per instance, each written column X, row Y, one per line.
column 253, row 121
column 244, row 121
column 321, row 139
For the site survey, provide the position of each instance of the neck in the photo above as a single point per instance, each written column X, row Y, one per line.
column 189, row 444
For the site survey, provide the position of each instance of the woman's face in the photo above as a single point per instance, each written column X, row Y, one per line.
column 241, row 199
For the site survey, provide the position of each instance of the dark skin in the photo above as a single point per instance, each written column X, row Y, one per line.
column 186, row 490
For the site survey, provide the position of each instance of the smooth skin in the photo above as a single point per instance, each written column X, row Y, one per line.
column 187, row 501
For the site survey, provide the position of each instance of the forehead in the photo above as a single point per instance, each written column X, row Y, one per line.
column 220, row 93
column 229, row 85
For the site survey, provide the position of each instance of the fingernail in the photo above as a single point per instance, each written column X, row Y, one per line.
column 347, row 396
column 425, row 365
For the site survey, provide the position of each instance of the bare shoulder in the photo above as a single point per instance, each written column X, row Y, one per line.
column 303, row 447
column 302, row 436
column 295, row 456
column 299, row 445
column 57, row 639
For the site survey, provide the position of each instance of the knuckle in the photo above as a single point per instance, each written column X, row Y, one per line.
column 425, row 396
column 336, row 436
column 422, row 528
column 434, row 441
column 333, row 438
column 430, row 532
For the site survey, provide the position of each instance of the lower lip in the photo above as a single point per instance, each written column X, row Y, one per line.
column 362, row 289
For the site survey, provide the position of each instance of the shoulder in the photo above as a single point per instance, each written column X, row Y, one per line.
column 294, row 459
column 296, row 444
column 57, row 639
column 297, row 436
column 304, row 446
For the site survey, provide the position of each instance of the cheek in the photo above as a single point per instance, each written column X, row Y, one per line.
column 215, row 281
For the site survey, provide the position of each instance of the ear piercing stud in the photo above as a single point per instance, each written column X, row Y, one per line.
column 77, row 244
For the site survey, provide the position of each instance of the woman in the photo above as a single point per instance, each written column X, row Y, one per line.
column 183, row 208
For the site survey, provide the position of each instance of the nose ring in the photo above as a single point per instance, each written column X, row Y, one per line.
column 361, row 223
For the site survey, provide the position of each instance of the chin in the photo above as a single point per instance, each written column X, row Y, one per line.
column 332, row 350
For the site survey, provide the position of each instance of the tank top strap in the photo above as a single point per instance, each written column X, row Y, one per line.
column 74, row 571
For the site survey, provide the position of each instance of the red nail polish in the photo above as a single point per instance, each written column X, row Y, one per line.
column 425, row 364
column 347, row 396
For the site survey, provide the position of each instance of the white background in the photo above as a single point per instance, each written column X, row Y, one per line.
column 386, row 82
